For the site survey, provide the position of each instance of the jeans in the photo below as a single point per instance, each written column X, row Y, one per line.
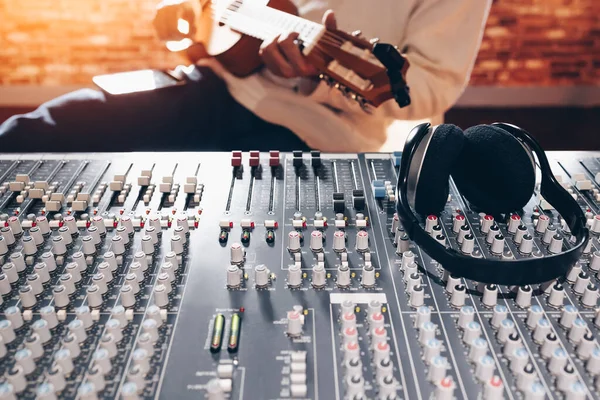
column 198, row 116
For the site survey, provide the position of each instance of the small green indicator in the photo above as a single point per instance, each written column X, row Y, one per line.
column 234, row 333
column 217, row 333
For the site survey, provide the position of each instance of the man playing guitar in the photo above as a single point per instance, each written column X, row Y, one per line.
column 282, row 105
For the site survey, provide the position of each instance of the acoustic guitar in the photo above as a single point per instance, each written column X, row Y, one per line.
column 232, row 32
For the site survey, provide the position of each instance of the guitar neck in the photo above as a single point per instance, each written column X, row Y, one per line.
column 264, row 23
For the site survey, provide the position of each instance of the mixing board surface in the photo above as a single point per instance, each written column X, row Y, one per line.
column 276, row 276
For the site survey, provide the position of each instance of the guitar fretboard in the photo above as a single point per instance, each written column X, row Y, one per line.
column 264, row 22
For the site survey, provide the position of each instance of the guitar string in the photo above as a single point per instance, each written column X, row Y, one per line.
column 234, row 9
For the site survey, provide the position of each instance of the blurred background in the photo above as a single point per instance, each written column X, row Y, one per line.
column 539, row 64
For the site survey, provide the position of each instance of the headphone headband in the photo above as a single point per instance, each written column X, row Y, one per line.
column 515, row 272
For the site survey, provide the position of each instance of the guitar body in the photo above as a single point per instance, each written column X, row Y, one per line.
column 237, row 52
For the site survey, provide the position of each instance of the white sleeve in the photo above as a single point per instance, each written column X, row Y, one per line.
column 441, row 42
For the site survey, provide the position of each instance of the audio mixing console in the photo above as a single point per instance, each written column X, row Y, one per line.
column 276, row 276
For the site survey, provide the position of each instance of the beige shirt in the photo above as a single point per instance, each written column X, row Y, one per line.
column 440, row 38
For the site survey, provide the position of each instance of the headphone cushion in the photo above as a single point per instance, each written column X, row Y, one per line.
column 494, row 172
column 432, row 188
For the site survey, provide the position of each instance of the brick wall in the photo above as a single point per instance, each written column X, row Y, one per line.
column 59, row 42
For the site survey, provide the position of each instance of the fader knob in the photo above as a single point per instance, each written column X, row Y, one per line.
column 153, row 233
column 458, row 296
column 557, row 295
column 27, row 296
column 494, row 388
column 294, row 279
column 507, row 327
column 592, row 365
column 95, row 374
column 318, row 276
column 343, row 275
column 519, row 234
column 295, row 323
column 590, row 296
column 542, row 224
column 465, row 316
column 13, row 314
column 526, row 245
column 462, row 233
column 56, row 377
column 557, row 362
column 541, row 330
column 339, row 241
column 486, row 223
column 523, row 298
column 70, row 343
column 368, row 276
column 472, row 332
column 118, row 245
column 586, row 346
column 48, row 259
column 237, row 253
column 87, row 391
column 15, row 225
column 458, row 222
column 355, row 386
column 432, row 349
column 63, row 359
column 261, row 276
column 583, row 279
column 423, row 315
column 3, row 246
column 16, row 378
column 479, row 348
column 316, row 241
column 426, row 332
column 595, row 261
column 568, row 315
column 468, row 244
column 29, row 247
column 294, row 241
column 362, row 241
column 161, row 298
column 499, row 315
column 66, row 235
column 445, row 389
column 41, row 327
column 18, row 260
column 214, row 390
column 437, row 369
column 234, row 276
column 45, row 391
column 484, row 369
column 24, row 358
column 548, row 234
column 577, row 331
column 490, row 295
column 49, row 315
column 42, row 223
column 177, row 244
column 492, row 233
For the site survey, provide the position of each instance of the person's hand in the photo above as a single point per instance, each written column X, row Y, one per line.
column 168, row 14
column 283, row 57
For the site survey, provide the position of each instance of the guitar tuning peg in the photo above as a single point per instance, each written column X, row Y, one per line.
column 357, row 33
column 374, row 41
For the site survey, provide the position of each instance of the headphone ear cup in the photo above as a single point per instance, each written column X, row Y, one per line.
column 495, row 172
column 432, row 188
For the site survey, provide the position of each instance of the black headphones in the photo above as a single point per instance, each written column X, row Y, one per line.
column 493, row 167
